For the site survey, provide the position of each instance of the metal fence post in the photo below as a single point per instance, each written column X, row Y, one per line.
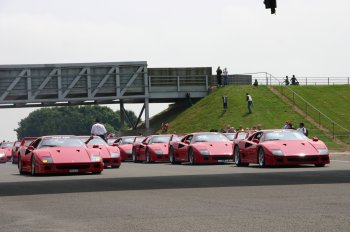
column 348, row 80
column 178, row 83
column 328, row 80
column 306, row 80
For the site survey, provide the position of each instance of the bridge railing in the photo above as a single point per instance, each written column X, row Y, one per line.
column 178, row 83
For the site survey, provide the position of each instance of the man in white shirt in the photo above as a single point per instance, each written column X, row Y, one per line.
column 99, row 129
column 302, row 129
column 250, row 102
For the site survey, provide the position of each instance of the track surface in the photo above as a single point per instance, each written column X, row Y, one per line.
column 164, row 197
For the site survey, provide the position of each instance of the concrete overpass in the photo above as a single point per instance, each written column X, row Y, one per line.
column 40, row 85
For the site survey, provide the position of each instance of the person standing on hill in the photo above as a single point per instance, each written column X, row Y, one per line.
column 98, row 129
column 225, row 72
column 250, row 102
column 218, row 76
column 302, row 129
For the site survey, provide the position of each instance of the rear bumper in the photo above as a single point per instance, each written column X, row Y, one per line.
column 112, row 162
column 296, row 160
column 69, row 168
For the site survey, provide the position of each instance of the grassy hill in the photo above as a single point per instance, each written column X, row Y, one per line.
column 332, row 101
column 269, row 111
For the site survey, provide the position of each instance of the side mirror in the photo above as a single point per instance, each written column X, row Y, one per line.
column 315, row 139
column 95, row 146
column 256, row 141
column 30, row 148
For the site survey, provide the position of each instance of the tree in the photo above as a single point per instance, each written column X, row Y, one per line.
column 69, row 120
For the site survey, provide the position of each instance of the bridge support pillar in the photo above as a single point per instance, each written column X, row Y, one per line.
column 122, row 116
column 147, row 113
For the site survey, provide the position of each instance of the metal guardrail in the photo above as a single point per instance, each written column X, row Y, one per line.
column 180, row 83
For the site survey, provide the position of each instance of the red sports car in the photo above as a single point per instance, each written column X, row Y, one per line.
column 153, row 148
column 3, row 158
column 7, row 149
column 25, row 142
column 110, row 154
column 125, row 144
column 15, row 148
column 206, row 147
column 280, row 147
column 60, row 154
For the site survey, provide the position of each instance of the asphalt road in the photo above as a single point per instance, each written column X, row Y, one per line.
column 164, row 197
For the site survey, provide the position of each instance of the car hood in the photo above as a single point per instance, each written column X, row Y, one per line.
column 159, row 146
column 215, row 148
column 293, row 147
column 67, row 154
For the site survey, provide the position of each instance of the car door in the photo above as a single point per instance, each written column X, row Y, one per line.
column 143, row 148
column 252, row 147
column 183, row 147
column 27, row 154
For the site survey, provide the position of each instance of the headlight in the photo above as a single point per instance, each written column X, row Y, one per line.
column 158, row 152
column 46, row 160
column 128, row 151
column 204, row 152
column 114, row 154
column 2, row 155
column 323, row 151
column 95, row 158
column 277, row 152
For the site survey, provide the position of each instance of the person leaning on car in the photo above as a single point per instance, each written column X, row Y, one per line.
column 99, row 129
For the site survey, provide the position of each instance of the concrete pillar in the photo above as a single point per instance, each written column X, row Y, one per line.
column 122, row 116
column 147, row 113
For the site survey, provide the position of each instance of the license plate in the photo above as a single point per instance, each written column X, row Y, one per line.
column 73, row 170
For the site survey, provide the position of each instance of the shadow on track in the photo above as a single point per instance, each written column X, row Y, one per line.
column 174, row 182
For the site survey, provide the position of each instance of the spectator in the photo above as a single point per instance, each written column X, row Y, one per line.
column 256, row 83
column 250, row 102
column 165, row 127
column 231, row 130
column 98, row 129
column 188, row 96
column 225, row 76
column 294, row 80
column 224, row 102
column 286, row 81
column 288, row 125
column 302, row 129
column 218, row 76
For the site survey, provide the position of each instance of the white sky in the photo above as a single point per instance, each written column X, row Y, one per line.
column 305, row 38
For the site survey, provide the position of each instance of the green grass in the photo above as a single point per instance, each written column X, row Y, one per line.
column 269, row 111
column 332, row 101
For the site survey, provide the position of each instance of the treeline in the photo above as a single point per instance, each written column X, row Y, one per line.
column 70, row 120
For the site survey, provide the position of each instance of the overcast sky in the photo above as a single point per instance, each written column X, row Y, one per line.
column 305, row 38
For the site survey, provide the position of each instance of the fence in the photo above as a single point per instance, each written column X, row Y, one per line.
column 337, row 131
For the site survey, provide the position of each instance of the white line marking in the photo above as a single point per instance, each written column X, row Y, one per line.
column 345, row 161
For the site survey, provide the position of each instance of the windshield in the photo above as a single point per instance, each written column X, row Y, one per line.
column 241, row 135
column 139, row 139
column 230, row 136
column 160, row 139
column 28, row 142
column 284, row 135
column 210, row 138
column 177, row 138
column 95, row 141
column 62, row 142
column 5, row 145
column 128, row 140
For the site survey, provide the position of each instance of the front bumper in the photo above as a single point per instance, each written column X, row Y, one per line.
column 94, row 167
column 213, row 158
column 112, row 162
column 296, row 160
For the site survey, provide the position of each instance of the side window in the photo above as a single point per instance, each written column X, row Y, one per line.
column 36, row 143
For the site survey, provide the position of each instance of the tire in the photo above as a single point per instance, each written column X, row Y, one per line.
column 191, row 157
column 320, row 165
column 148, row 157
column 172, row 156
column 261, row 158
column 20, row 166
column 32, row 170
column 237, row 157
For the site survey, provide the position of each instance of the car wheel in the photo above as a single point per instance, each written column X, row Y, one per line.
column 237, row 158
column 32, row 171
column 320, row 165
column 20, row 167
column 134, row 158
column 191, row 157
column 261, row 157
column 172, row 156
column 148, row 157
